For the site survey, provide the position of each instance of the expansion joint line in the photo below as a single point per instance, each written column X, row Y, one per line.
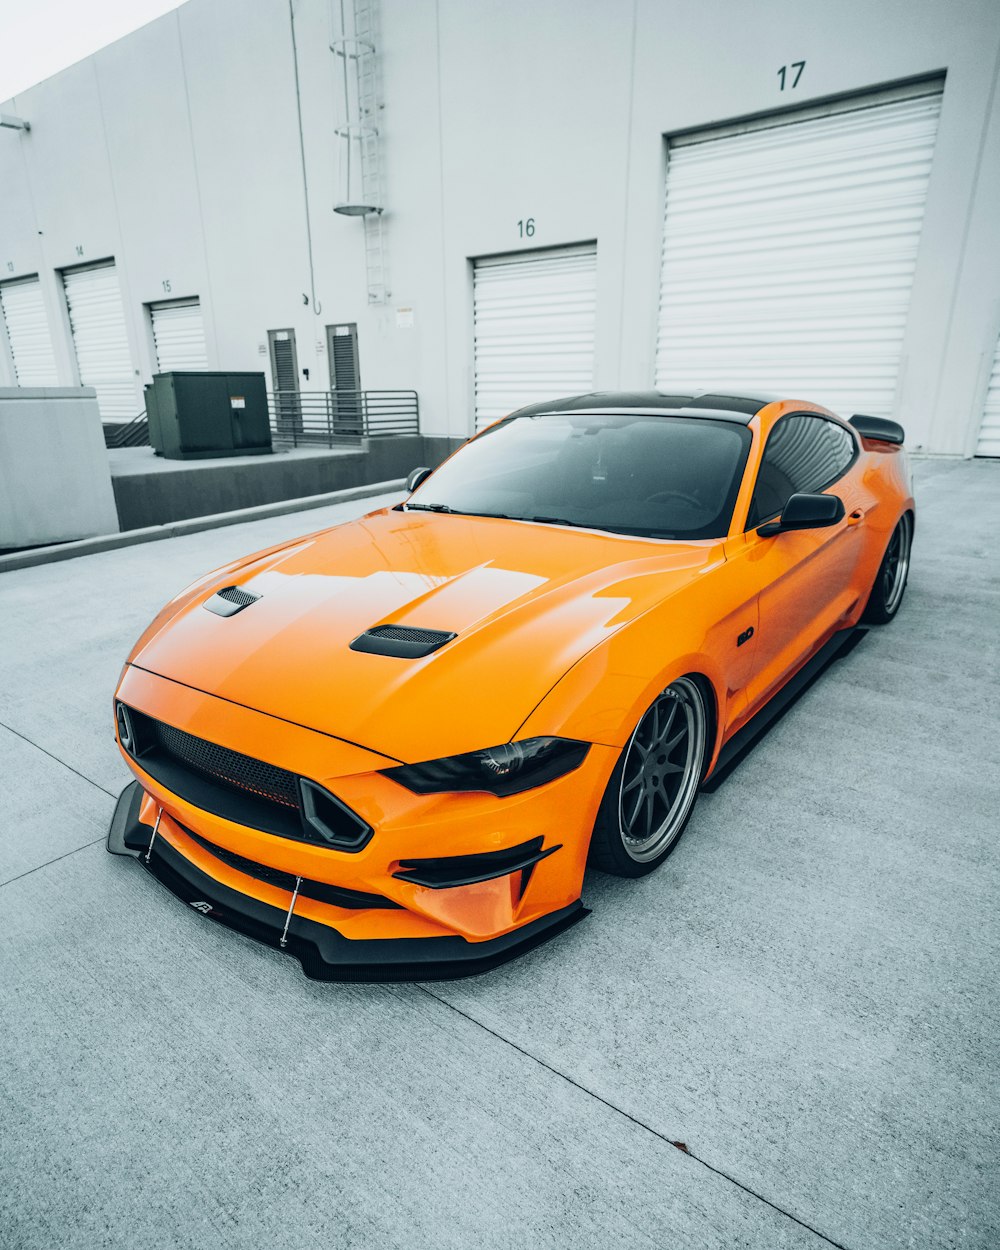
column 678, row 1145
column 32, row 743
column 49, row 862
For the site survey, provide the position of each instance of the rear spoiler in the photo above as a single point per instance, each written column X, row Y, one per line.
column 878, row 428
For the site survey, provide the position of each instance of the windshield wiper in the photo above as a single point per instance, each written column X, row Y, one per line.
column 443, row 507
column 559, row 520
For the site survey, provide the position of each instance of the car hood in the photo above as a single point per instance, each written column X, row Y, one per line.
column 525, row 602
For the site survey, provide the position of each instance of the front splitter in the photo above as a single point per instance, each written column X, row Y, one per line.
column 325, row 954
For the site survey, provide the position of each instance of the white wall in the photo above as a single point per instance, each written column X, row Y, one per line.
column 176, row 150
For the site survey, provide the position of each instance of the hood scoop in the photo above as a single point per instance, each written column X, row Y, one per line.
column 400, row 641
column 230, row 600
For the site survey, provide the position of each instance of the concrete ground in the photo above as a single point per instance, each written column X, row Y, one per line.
column 805, row 995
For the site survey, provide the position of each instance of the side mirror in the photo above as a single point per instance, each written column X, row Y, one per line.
column 416, row 477
column 805, row 512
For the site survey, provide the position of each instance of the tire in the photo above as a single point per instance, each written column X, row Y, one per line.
column 651, row 793
column 890, row 581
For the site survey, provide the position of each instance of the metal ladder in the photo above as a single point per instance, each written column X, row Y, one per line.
column 355, row 39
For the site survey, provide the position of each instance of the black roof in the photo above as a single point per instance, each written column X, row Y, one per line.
column 710, row 404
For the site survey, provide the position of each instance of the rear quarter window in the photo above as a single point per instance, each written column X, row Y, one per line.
column 803, row 455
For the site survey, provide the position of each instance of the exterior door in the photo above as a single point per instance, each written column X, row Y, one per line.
column 100, row 339
column 285, row 380
column 23, row 311
column 178, row 335
column 988, row 442
column 345, row 378
column 789, row 247
column 533, row 328
column 805, row 575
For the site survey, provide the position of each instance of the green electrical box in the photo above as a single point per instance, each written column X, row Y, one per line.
column 193, row 416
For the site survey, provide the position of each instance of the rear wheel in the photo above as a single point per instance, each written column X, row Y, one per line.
column 890, row 583
column 652, row 790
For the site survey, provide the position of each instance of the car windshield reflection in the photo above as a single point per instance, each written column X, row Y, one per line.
column 654, row 476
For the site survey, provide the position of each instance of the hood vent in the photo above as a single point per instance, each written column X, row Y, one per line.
column 230, row 600
column 400, row 641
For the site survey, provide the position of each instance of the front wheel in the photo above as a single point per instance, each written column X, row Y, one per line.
column 652, row 790
column 890, row 583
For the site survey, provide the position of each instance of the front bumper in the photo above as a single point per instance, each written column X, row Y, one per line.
column 324, row 953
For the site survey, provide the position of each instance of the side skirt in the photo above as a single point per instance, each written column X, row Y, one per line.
column 744, row 740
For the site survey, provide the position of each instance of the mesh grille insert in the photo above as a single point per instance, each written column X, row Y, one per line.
column 242, row 789
column 242, row 772
column 236, row 594
column 402, row 641
column 404, row 633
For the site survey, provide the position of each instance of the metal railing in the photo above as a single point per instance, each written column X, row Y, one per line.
column 329, row 418
column 134, row 433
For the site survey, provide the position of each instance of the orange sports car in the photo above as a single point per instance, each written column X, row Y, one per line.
column 392, row 747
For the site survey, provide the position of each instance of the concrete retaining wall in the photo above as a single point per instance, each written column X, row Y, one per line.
column 179, row 490
column 55, row 484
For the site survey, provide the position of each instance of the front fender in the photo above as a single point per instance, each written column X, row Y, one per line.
column 602, row 698
column 695, row 630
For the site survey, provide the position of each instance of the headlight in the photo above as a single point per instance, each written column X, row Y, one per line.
column 501, row 770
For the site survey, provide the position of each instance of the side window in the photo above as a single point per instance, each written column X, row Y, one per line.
column 803, row 454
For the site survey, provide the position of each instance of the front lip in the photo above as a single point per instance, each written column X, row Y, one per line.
column 325, row 954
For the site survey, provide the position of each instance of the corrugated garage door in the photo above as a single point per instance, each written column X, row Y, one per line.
column 789, row 249
column 178, row 335
column 989, row 431
column 534, row 328
column 97, row 319
column 28, row 333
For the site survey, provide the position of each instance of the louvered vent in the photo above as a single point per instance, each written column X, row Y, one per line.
column 230, row 600
column 401, row 641
column 284, row 366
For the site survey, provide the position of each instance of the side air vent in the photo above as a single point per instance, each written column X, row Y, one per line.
column 879, row 428
column 400, row 641
column 230, row 600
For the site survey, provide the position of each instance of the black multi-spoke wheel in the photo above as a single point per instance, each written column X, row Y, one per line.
column 654, row 784
column 890, row 583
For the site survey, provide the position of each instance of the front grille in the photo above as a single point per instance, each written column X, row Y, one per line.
column 240, row 788
column 321, row 891
column 230, row 767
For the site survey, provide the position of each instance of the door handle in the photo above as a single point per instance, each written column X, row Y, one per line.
column 856, row 516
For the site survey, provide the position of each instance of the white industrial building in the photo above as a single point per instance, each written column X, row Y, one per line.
column 792, row 195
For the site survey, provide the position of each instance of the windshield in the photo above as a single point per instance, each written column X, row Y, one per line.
column 653, row 476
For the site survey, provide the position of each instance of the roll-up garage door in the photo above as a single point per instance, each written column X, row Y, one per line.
column 789, row 248
column 28, row 333
column 178, row 335
column 97, row 320
column 534, row 328
column 989, row 431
